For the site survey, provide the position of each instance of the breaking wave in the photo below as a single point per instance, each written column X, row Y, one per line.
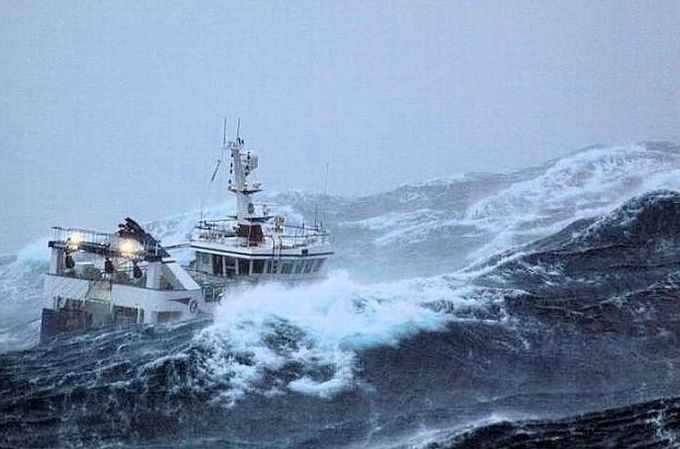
column 320, row 326
column 528, row 305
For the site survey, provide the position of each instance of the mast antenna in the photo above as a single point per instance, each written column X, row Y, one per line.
column 217, row 167
column 224, row 133
column 325, row 195
column 325, row 187
column 238, row 128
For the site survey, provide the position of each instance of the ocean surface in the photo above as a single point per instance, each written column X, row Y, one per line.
column 538, row 308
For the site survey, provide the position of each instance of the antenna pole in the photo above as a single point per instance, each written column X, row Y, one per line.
column 238, row 128
column 325, row 187
column 325, row 194
column 224, row 133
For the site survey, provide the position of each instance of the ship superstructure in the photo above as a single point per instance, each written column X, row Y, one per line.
column 254, row 245
column 97, row 279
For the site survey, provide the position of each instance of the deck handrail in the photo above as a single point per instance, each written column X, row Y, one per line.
column 87, row 239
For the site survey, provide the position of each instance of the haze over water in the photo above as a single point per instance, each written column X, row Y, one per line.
column 113, row 109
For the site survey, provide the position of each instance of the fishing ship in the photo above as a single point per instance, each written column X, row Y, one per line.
column 102, row 279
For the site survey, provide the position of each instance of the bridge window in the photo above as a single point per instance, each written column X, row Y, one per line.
column 229, row 266
column 243, row 267
column 217, row 265
column 308, row 266
column 286, row 267
column 258, row 266
column 298, row 266
column 202, row 261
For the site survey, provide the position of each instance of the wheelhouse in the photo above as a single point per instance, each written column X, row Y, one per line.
column 253, row 244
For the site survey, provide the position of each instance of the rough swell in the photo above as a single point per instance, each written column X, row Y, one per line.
column 561, row 334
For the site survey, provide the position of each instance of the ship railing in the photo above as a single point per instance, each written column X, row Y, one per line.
column 222, row 231
column 97, row 241
column 277, row 242
column 123, row 275
column 205, row 277
column 307, row 230
column 212, row 285
column 297, row 241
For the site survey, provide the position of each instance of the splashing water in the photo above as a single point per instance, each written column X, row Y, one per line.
column 317, row 326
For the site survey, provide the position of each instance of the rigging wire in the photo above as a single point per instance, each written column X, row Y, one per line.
column 325, row 196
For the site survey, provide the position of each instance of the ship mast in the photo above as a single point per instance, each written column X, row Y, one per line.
column 242, row 164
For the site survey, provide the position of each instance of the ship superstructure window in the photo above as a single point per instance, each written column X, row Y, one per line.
column 203, row 262
column 258, row 266
column 286, row 267
column 298, row 266
column 317, row 265
column 165, row 317
column 229, row 266
column 217, row 265
column 243, row 267
column 125, row 314
column 308, row 266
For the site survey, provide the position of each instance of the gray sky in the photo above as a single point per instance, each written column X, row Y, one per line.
column 109, row 109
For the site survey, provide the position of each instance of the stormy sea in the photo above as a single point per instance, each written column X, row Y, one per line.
column 538, row 308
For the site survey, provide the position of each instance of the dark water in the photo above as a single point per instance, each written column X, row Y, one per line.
column 647, row 425
column 568, row 341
